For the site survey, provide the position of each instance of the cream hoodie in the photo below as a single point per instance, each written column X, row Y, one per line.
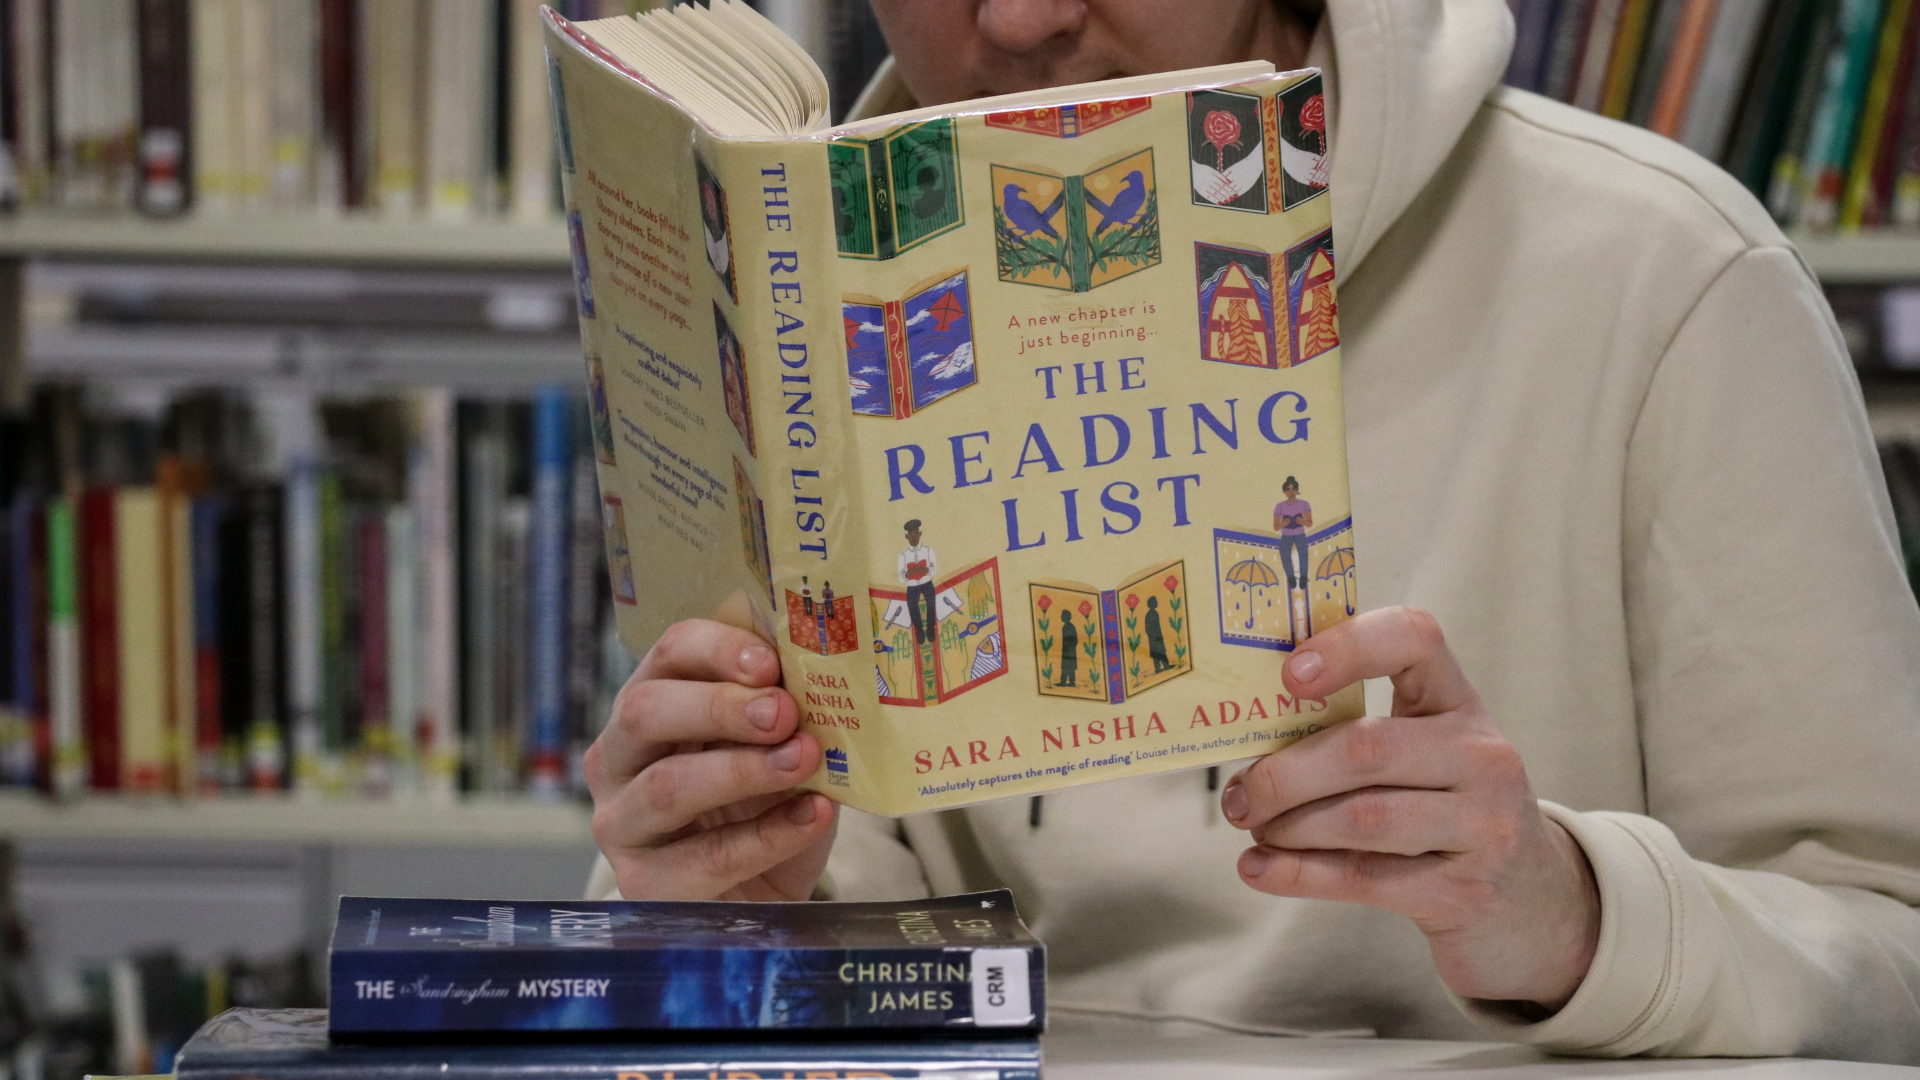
column 1601, row 424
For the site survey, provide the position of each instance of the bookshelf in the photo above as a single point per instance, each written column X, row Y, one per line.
column 1867, row 258
column 287, row 239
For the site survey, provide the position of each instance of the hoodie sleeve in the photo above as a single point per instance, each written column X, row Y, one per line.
column 1765, row 903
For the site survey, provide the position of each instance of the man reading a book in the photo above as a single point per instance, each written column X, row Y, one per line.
column 1649, row 792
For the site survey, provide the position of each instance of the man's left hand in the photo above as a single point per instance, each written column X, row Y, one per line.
column 1427, row 813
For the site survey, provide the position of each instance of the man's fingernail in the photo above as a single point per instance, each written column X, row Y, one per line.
column 1254, row 863
column 763, row 712
column 755, row 658
column 1306, row 666
column 801, row 811
column 1233, row 802
column 786, row 756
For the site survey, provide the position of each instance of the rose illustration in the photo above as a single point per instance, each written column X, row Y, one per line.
column 1172, row 583
column 1086, row 608
column 1313, row 115
column 1221, row 130
column 1044, row 602
column 1133, row 601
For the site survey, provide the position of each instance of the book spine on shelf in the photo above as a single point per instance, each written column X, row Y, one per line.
column 141, row 623
column 403, row 646
column 67, row 689
column 1562, row 63
column 1836, row 122
column 431, row 488
column 1623, row 64
column 392, row 41
column 215, row 143
column 272, row 624
column 483, row 481
column 530, row 160
column 1853, row 173
column 336, row 669
column 1790, row 164
column 100, row 651
column 586, row 586
column 1589, row 84
column 1663, row 27
column 165, row 146
column 27, row 658
column 375, row 743
column 1877, row 204
column 507, row 746
column 304, row 671
column 293, row 89
column 210, row 550
column 180, row 753
column 459, row 80
column 251, row 98
column 1716, row 93
column 1532, row 37
column 548, row 563
column 1679, row 79
column 27, row 70
column 336, row 179
column 14, row 730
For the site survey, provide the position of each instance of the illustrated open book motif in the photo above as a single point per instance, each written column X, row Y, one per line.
column 1016, row 424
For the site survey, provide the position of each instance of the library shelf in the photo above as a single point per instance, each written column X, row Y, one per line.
column 470, row 822
column 312, row 240
column 1868, row 258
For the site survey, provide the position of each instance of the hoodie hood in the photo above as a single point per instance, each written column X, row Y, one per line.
column 1403, row 79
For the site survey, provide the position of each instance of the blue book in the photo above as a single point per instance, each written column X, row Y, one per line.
column 293, row 1044
column 413, row 967
column 547, row 565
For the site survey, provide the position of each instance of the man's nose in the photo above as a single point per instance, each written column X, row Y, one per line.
column 1018, row 26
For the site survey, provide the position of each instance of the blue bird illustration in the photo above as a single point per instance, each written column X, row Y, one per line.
column 1024, row 217
column 1124, row 205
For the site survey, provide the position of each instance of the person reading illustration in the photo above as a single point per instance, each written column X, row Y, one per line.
column 916, row 569
column 1292, row 517
column 1611, row 809
column 1156, row 638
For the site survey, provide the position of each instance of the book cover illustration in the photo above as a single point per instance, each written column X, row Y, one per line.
column 1236, row 306
column 418, row 965
column 938, row 637
column 599, row 415
column 753, row 527
column 733, row 378
column 715, row 234
column 1076, row 232
column 1111, row 644
column 1276, row 589
column 821, row 624
column 619, row 561
column 1069, row 121
column 1258, row 154
column 1312, row 308
column 293, row 1044
column 896, row 191
column 582, row 275
column 904, row 355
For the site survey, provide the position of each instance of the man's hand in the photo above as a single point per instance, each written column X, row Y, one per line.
column 1427, row 813
column 693, row 777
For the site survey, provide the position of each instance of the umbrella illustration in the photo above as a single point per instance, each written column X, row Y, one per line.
column 1252, row 573
column 1338, row 564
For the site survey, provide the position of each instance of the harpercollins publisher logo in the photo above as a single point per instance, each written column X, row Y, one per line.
column 1000, row 988
column 837, row 767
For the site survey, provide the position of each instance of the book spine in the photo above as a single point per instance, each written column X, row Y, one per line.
column 27, row 68
column 1878, row 202
column 392, row 43
column 548, row 564
column 1790, row 161
column 459, row 75
column 1835, row 125
column 1596, row 54
column 403, row 646
column 336, row 672
column 1857, row 192
column 1532, row 36
column 36, row 658
column 1716, row 93
column 182, row 757
column 100, row 645
column 15, row 735
column 139, row 570
column 27, row 614
column 303, row 618
column 66, row 686
column 252, row 96
column 281, row 606
column 531, row 131
column 1678, row 81
column 816, row 989
column 1623, row 63
column 375, row 744
column 507, row 746
column 294, row 86
column 1110, row 642
column 430, row 487
column 1563, row 61
column 209, row 610
column 1650, row 71
column 165, row 148
column 213, row 113
column 337, row 157
column 585, row 586
column 482, row 489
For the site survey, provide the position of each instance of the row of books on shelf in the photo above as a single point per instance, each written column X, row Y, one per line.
column 435, row 107
column 1813, row 104
column 397, row 595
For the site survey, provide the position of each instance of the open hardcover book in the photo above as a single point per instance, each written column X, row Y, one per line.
column 985, row 413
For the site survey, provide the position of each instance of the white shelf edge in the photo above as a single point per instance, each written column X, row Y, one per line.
column 287, row 238
column 504, row 822
column 1870, row 258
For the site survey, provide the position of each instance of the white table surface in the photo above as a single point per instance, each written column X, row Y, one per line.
column 1108, row 1055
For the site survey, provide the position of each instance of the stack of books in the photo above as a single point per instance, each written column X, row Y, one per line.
column 952, row 987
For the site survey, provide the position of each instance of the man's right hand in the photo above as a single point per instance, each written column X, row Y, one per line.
column 693, row 777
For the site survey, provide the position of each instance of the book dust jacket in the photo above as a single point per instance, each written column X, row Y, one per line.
column 1020, row 432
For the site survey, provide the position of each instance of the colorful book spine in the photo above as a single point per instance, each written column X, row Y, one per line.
column 1878, row 206
column 209, row 605
column 303, row 591
column 548, row 561
column 1723, row 75
column 1624, row 62
column 1791, row 164
column 67, row 686
column 375, row 743
column 1836, row 124
column 100, row 647
column 337, row 183
column 165, row 105
column 1682, row 71
column 430, row 488
column 403, row 647
column 215, row 144
column 140, row 567
column 1532, row 39
column 1596, row 54
column 1881, row 112
column 1562, row 65
column 178, row 481
column 272, row 625
column 29, row 618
